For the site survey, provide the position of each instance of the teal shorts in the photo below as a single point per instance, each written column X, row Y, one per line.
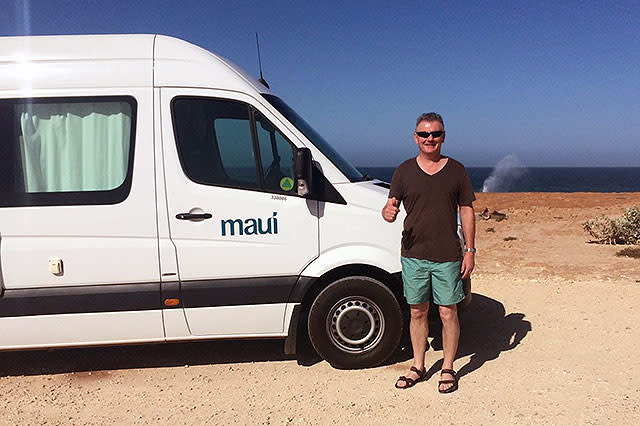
column 420, row 277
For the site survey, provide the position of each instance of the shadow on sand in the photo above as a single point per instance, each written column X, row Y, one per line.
column 23, row 363
column 486, row 332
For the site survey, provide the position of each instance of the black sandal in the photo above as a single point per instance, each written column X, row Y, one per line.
column 409, row 382
column 447, row 381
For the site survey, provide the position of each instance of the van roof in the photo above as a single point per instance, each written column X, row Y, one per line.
column 76, row 47
column 115, row 60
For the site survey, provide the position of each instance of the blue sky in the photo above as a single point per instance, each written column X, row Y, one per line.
column 552, row 83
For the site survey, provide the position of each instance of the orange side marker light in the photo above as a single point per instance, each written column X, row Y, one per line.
column 171, row 302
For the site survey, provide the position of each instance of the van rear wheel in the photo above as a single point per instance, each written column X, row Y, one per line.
column 356, row 322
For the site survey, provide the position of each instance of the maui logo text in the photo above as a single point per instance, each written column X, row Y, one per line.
column 250, row 226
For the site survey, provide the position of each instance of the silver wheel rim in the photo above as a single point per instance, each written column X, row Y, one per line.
column 355, row 324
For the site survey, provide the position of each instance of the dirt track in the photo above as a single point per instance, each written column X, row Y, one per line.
column 551, row 338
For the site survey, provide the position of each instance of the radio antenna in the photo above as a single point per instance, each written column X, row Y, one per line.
column 261, row 80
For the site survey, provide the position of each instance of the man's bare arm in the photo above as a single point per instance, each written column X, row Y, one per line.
column 468, row 221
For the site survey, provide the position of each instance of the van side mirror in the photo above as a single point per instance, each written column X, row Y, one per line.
column 303, row 168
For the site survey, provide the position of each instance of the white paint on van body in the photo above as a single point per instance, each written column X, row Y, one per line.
column 104, row 328
column 139, row 240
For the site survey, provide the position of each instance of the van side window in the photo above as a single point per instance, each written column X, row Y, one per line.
column 216, row 145
column 276, row 155
column 214, row 142
column 65, row 151
column 236, row 149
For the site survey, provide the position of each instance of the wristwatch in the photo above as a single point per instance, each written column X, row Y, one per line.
column 470, row 250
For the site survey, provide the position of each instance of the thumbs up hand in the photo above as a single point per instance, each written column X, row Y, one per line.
column 391, row 209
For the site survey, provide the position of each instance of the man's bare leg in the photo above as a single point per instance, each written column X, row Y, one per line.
column 419, row 331
column 450, row 338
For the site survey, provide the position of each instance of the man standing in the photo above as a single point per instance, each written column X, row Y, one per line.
column 432, row 188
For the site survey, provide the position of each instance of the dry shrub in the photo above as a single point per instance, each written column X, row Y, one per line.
column 629, row 252
column 617, row 230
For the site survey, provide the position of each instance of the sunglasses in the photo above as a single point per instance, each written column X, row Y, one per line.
column 436, row 134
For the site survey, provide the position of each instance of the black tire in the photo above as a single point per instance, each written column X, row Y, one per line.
column 356, row 322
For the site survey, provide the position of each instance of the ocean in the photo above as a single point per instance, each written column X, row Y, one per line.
column 541, row 179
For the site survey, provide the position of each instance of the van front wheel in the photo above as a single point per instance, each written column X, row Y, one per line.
column 356, row 322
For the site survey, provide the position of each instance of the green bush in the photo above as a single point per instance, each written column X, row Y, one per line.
column 617, row 230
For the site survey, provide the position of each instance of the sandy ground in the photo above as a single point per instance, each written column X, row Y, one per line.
column 551, row 338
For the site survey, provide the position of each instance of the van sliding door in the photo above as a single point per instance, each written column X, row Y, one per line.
column 78, row 235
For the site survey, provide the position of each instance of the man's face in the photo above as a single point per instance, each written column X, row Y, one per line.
column 429, row 145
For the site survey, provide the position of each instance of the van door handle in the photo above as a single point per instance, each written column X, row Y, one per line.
column 193, row 216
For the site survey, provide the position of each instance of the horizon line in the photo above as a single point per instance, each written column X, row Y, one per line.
column 530, row 166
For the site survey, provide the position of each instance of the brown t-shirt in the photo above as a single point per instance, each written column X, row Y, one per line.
column 431, row 203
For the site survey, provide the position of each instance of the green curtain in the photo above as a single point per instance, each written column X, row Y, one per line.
column 74, row 146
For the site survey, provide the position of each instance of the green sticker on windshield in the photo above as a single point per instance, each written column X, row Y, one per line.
column 286, row 184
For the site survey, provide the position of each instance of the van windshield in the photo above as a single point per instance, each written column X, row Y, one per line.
column 345, row 167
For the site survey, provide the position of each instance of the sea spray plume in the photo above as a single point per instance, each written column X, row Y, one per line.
column 504, row 175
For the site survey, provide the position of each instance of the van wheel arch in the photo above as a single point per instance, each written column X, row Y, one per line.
column 394, row 283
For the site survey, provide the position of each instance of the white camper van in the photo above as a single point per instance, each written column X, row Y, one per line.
column 151, row 191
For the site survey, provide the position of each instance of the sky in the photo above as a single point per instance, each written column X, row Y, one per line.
column 545, row 83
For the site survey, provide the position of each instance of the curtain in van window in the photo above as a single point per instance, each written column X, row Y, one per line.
column 74, row 146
